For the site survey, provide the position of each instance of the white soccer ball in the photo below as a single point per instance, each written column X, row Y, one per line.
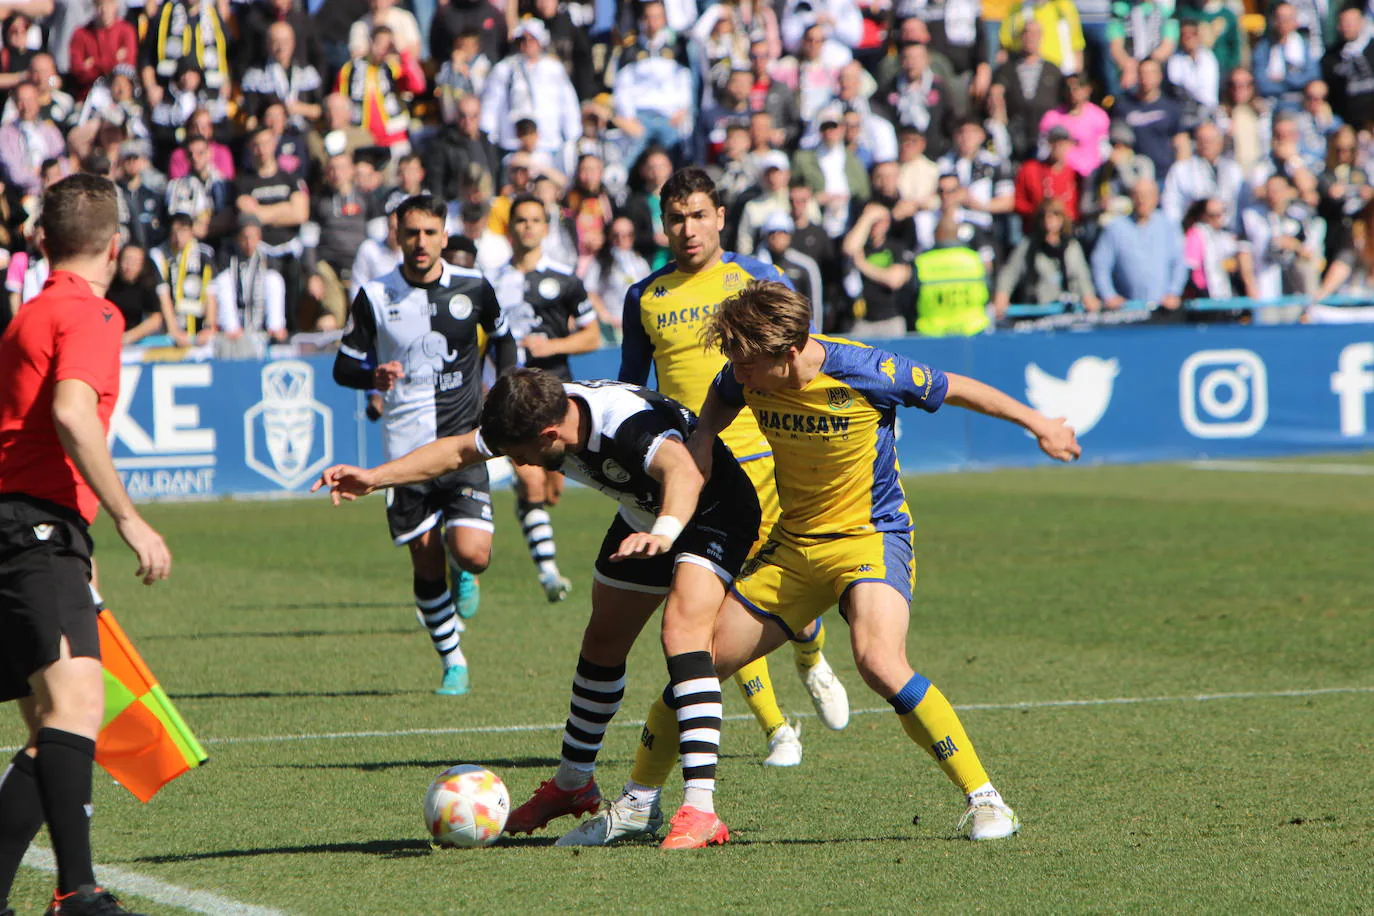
column 466, row 806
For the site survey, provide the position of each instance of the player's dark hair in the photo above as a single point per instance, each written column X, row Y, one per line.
column 683, row 183
column 522, row 404
column 79, row 217
column 422, row 203
column 461, row 243
column 523, row 199
column 764, row 321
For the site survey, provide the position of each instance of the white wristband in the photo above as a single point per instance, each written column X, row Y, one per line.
column 665, row 526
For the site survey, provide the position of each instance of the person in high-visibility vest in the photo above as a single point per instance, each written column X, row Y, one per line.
column 952, row 287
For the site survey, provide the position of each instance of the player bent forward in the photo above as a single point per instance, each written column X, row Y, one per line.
column 828, row 407
column 679, row 534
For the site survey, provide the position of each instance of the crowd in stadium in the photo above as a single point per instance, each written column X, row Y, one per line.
column 1094, row 153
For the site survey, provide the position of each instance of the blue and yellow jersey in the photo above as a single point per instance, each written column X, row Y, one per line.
column 833, row 442
column 662, row 323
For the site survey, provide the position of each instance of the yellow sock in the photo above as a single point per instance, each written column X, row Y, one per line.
column 657, row 752
column 757, row 687
column 808, row 654
column 932, row 723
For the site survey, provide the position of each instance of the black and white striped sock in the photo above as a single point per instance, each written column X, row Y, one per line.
column 434, row 608
column 538, row 528
column 596, row 694
column 695, row 696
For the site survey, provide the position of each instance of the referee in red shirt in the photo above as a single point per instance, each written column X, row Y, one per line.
column 59, row 380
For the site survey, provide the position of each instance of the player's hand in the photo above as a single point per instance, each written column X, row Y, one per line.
column 345, row 482
column 537, row 345
column 1058, row 440
column 387, row 374
column 640, row 545
column 154, row 559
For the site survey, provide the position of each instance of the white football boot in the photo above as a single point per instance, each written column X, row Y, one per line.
column 616, row 821
column 785, row 747
column 827, row 694
column 988, row 817
column 556, row 587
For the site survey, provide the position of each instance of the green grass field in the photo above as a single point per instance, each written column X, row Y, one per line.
column 288, row 624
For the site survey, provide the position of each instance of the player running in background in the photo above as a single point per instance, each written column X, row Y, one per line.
column 422, row 326
column 828, row 407
column 664, row 314
column 677, row 534
column 550, row 317
column 59, row 381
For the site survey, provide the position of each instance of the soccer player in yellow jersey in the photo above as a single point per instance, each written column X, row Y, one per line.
column 828, row 408
column 663, row 318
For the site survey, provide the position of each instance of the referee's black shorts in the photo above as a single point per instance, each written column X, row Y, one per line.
column 45, row 574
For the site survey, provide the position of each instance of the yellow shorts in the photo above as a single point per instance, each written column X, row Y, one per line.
column 760, row 471
column 793, row 580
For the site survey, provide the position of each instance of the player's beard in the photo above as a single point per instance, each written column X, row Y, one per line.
column 553, row 461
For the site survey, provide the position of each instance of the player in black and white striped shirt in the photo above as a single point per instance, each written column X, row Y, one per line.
column 677, row 536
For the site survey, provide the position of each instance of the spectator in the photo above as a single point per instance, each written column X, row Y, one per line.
column 916, row 97
column 1316, row 122
column 255, row 20
column 1284, row 61
column 331, row 23
column 186, row 95
column 405, row 31
column 615, row 268
column 770, row 95
column 732, row 107
column 1207, row 174
column 735, row 172
column 1218, row 27
column 375, row 84
column 1050, row 178
column 950, row 28
column 951, row 200
column 1156, row 119
column 458, row 17
column 250, row 295
column 200, row 125
column 463, row 73
column 885, row 188
column 281, row 203
column 917, row 175
column 834, row 173
column 111, row 108
column 1047, row 266
column 871, row 136
column 204, row 193
column 342, row 213
column 1348, row 67
column 568, row 43
column 652, row 89
column 816, row 70
column 1095, row 18
column 1086, row 123
column 1061, row 33
column 29, row 141
column 1140, row 259
column 1217, row 265
column 1345, row 191
column 510, row 93
column 410, row 181
column 1352, row 271
column 298, row 86
column 842, row 19
column 1285, row 153
column 101, row 45
column 1030, row 86
column 146, row 192
column 988, row 188
column 1141, row 30
column 374, row 260
column 802, row 271
column 16, row 54
column 644, row 207
column 755, row 20
column 185, row 267
column 185, row 35
column 588, row 206
column 1283, row 240
column 810, row 239
column 777, row 174
column 1193, row 68
column 458, row 146
column 1245, row 119
column 884, row 268
column 134, row 292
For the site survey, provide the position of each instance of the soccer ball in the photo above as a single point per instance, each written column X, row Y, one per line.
column 466, row 806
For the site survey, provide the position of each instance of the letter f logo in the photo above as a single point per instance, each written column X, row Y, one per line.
column 1352, row 382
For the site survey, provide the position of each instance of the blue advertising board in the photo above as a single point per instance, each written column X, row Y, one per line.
column 1134, row 394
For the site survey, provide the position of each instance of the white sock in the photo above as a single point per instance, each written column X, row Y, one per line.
column 699, row 797
column 547, row 569
column 986, row 790
column 642, row 798
column 572, row 776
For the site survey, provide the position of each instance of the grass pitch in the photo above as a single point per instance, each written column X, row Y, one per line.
column 1150, row 585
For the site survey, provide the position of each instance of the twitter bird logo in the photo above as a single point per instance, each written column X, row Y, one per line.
column 1081, row 399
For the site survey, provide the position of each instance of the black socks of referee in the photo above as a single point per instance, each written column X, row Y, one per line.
column 21, row 815
column 694, row 694
column 63, row 773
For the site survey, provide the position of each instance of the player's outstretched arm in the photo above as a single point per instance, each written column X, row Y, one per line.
column 674, row 467
column 435, row 459
column 716, row 416
column 1056, row 438
column 74, row 412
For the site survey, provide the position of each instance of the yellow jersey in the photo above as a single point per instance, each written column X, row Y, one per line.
column 833, row 441
column 662, row 322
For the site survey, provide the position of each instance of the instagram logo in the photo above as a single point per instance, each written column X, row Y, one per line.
column 1223, row 394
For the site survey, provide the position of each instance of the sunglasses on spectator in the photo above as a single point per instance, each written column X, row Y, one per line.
column 1345, row 148
column 1242, row 84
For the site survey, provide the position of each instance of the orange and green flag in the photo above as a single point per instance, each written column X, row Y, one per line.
column 143, row 742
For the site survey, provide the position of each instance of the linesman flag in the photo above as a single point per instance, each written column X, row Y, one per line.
column 143, row 742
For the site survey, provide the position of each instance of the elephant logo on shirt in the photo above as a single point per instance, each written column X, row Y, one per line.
column 426, row 358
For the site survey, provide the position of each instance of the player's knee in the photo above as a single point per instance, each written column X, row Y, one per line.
column 474, row 558
column 884, row 670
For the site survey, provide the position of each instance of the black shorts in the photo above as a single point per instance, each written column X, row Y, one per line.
column 45, row 574
column 459, row 499
column 718, row 537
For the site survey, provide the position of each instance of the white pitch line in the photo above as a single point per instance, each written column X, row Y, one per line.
column 128, row 882
column 1284, row 467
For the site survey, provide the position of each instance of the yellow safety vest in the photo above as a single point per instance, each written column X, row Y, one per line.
column 953, row 293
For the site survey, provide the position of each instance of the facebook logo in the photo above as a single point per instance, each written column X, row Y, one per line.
column 1352, row 383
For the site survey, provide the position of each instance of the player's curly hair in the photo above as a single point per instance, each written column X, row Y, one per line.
column 764, row 321
column 685, row 182
column 521, row 405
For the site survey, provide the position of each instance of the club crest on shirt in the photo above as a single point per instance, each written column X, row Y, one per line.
column 732, row 280
column 549, row 288
column 460, row 306
column 918, row 376
column 839, row 398
column 614, row 472
column 889, row 368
